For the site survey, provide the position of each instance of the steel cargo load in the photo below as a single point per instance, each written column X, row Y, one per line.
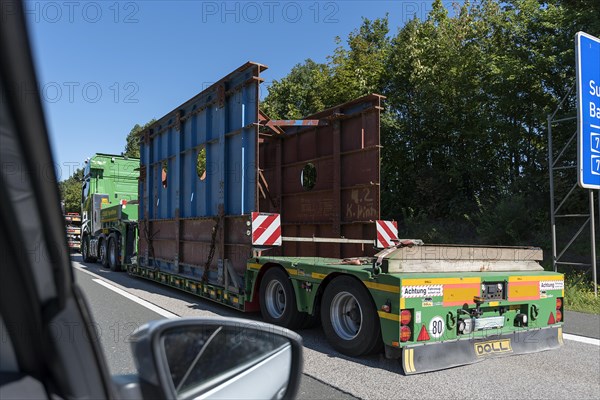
column 216, row 159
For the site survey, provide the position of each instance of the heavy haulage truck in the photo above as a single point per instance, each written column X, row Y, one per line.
column 284, row 217
column 109, row 209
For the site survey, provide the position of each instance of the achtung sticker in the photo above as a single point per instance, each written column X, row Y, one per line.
column 422, row 291
column 552, row 285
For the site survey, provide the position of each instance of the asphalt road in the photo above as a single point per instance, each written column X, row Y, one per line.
column 116, row 317
column 572, row 371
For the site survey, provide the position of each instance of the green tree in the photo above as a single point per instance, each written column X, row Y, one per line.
column 468, row 94
column 70, row 191
column 354, row 70
column 357, row 67
column 437, row 149
column 302, row 92
column 132, row 146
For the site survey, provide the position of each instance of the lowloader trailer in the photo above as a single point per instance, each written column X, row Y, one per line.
column 284, row 217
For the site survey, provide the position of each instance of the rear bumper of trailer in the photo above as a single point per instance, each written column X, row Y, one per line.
column 417, row 359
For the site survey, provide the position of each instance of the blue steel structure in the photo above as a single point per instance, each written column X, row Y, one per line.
column 184, row 216
column 222, row 120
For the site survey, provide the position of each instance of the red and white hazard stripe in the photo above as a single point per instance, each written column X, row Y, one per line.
column 387, row 233
column 266, row 229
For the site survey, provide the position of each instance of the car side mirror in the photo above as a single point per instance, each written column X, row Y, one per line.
column 217, row 358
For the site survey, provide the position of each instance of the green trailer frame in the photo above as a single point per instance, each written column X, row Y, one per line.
column 438, row 304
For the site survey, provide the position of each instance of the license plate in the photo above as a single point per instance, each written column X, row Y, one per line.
column 493, row 347
column 489, row 323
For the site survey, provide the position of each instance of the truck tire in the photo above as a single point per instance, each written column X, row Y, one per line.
column 349, row 317
column 103, row 250
column 278, row 301
column 113, row 254
column 85, row 250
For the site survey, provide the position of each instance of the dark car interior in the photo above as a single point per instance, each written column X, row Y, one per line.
column 44, row 323
column 49, row 346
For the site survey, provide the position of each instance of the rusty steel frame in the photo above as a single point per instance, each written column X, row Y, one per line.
column 344, row 202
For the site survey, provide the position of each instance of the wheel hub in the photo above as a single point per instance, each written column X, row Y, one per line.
column 113, row 253
column 275, row 299
column 354, row 314
column 346, row 315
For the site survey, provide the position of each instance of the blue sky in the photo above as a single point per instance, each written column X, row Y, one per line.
column 104, row 66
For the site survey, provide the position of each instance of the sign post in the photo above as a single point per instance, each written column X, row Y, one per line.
column 588, row 110
column 587, row 50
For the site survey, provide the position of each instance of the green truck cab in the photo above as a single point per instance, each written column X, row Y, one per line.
column 109, row 209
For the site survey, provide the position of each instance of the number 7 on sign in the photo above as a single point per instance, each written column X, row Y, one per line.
column 595, row 165
column 595, row 139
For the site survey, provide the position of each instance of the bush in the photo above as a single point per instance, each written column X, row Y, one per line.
column 579, row 294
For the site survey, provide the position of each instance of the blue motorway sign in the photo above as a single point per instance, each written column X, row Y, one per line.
column 588, row 110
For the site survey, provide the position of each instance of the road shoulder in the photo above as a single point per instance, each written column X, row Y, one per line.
column 582, row 324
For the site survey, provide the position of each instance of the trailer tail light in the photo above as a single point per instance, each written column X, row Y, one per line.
column 405, row 317
column 405, row 334
column 559, row 309
column 423, row 335
column 558, row 316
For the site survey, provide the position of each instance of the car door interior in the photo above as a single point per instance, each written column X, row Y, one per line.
column 46, row 322
column 49, row 345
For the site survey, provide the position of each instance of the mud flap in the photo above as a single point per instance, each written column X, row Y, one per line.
column 436, row 356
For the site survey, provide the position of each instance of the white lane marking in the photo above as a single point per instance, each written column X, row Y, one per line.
column 80, row 268
column 136, row 299
column 581, row 339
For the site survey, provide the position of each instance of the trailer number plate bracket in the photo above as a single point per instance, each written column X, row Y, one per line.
column 488, row 323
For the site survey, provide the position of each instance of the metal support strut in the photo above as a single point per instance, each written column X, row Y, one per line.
column 553, row 165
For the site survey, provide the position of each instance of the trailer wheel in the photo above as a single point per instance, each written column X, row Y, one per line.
column 278, row 301
column 85, row 250
column 103, row 249
column 113, row 255
column 349, row 319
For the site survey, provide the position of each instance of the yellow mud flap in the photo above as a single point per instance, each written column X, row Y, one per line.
column 436, row 356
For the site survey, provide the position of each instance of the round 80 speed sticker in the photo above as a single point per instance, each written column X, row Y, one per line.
column 436, row 327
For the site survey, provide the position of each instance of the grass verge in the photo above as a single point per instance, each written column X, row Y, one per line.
column 579, row 294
